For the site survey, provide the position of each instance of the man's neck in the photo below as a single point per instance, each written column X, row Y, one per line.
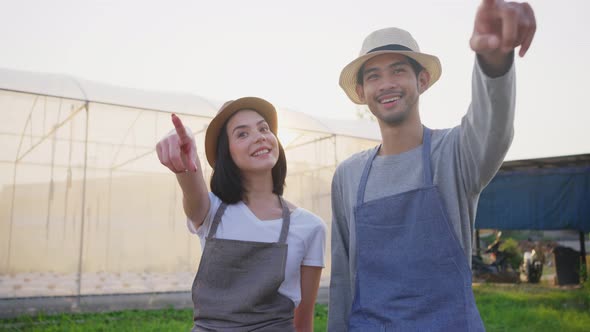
column 400, row 138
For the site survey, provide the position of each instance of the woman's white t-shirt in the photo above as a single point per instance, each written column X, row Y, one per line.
column 306, row 240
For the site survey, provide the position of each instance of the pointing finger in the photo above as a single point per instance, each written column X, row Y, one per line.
column 488, row 3
column 179, row 127
column 509, row 28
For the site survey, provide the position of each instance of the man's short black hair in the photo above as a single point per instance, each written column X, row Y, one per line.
column 417, row 67
column 226, row 180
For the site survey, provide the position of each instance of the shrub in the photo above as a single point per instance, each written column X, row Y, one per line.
column 512, row 252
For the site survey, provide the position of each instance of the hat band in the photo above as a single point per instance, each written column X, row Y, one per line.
column 390, row 47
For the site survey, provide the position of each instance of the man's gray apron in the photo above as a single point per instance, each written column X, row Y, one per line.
column 412, row 274
column 236, row 286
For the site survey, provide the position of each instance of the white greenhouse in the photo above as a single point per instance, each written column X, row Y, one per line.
column 87, row 209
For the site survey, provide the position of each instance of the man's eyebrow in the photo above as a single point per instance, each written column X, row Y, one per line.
column 395, row 64
column 369, row 70
column 399, row 64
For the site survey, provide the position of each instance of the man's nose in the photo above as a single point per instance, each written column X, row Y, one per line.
column 388, row 84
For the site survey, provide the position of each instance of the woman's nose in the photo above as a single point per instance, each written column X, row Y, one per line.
column 260, row 137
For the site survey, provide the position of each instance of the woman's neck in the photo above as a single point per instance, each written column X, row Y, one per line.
column 258, row 188
column 260, row 199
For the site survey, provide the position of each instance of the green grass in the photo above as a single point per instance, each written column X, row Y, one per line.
column 527, row 307
column 320, row 322
column 130, row 320
column 522, row 307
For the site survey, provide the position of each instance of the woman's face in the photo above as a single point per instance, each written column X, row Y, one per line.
column 253, row 147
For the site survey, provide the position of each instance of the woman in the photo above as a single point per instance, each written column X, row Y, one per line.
column 247, row 279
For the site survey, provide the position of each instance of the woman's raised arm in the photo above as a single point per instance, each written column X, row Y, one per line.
column 178, row 152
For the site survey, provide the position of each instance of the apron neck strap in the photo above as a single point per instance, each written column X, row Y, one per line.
column 360, row 196
column 286, row 221
column 427, row 171
column 217, row 219
column 426, row 165
column 284, row 227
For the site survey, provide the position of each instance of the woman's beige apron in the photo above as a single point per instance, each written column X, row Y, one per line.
column 236, row 286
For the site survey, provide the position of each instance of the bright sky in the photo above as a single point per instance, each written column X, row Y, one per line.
column 291, row 52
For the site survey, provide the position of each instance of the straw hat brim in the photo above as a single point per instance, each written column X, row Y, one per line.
column 263, row 107
column 348, row 75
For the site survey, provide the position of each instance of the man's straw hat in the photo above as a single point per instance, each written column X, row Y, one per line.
column 389, row 40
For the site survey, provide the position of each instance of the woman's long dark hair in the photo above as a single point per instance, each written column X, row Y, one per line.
column 226, row 180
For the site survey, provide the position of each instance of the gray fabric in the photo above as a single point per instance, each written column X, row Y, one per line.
column 236, row 286
column 464, row 160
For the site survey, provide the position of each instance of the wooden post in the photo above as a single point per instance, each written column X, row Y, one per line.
column 477, row 245
column 583, row 267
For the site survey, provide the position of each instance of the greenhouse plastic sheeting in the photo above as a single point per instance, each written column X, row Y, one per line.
column 86, row 208
column 538, row 199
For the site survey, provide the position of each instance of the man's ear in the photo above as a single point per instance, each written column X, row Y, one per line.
column 360, row 92
column 423, row 80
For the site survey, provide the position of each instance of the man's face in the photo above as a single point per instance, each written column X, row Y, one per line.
column 391, row 89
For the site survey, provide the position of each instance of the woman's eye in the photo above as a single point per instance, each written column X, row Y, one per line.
column 264, row 129
column 242, row 134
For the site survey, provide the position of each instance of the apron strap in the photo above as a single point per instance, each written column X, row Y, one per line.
column 286, row 221
column 217, row 219
column 284, row 227
column 360, row 196
column 426, row 165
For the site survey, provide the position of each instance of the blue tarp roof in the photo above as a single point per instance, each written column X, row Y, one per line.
column 537, row 199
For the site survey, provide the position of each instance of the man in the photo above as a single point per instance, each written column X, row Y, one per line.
column 403, row 213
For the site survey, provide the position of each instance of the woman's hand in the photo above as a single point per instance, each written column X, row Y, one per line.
column 177, row 150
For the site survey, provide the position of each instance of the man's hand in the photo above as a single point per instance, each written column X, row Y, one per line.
column 499, row 28
column 177, row 150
